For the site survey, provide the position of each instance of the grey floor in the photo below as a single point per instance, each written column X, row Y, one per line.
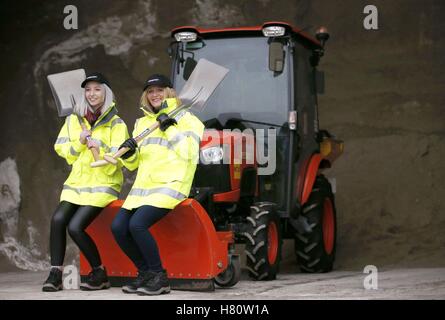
column 427, row 283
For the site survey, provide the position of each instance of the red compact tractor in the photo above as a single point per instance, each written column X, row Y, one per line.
column 259, row 179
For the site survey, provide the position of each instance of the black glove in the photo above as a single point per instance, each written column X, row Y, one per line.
column 165, row 121
column 132, row 145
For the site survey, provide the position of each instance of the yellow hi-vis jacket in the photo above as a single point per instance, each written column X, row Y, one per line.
column 166, row 161
column 85, row 185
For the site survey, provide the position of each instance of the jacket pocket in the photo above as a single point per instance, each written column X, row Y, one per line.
column 115, row 178
column 76, row 172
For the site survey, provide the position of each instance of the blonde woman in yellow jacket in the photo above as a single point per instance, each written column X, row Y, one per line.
column 166, row 162
column 87, row 190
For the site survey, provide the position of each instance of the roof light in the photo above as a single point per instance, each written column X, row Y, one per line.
column 185, row 36
column 274, row 31
column 322, row 35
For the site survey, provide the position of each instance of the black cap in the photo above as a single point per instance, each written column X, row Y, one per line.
column 158, row 80
column 95, row 76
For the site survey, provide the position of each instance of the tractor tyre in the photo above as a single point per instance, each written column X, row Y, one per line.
column 263, row 241
column 315, row 247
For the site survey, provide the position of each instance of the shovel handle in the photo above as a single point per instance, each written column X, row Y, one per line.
column 113, row 159
column 99, row 163
column 96, row 155
column 109, row 159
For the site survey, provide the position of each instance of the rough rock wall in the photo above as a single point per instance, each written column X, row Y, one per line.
column 384, row 98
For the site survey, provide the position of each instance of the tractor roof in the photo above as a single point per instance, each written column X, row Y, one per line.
column 249, row 31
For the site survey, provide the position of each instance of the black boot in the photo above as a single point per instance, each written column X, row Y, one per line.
column 158, row 284
column 54, row 281
column 97, row 280
column 133, row 285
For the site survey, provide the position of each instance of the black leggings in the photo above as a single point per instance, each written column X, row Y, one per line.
column 77, row 219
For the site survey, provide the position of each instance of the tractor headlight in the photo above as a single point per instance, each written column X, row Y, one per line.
column 211, row 155
column 186, row 36
column 274, row 31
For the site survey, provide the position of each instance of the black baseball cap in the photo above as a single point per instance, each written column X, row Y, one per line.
column 158, row 80
column 95, row 76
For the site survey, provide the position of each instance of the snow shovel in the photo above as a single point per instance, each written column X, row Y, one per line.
column 65, row 87
column 203, row 81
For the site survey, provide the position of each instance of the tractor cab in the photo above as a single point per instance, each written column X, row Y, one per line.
column 251, row 97
column 267, row 108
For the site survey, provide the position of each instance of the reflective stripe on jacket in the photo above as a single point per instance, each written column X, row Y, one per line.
column 166, row 161
column 86, row 185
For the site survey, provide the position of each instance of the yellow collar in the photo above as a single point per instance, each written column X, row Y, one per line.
column 171, row 105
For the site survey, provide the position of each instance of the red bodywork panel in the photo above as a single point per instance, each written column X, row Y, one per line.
column 306, row 177
column 207, row 33
column 331, row 149
column 237, row 143
column 189, row 245
column 231, row 196
column 311, row 175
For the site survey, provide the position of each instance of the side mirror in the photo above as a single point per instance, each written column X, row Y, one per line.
column 319, row 81
column 190, row 65
column 276, row 56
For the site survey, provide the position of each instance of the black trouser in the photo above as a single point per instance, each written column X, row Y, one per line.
column 130, row 229
column 77, row 219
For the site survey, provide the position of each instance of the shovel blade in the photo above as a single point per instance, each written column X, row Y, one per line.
column 203, row 81
column 65, row 86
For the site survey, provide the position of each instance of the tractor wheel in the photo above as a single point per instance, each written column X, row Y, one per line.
column 263, row 241
column 230, row 276
column 315, row 248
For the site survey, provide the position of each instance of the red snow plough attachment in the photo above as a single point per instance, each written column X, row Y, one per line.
column 194, row 254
